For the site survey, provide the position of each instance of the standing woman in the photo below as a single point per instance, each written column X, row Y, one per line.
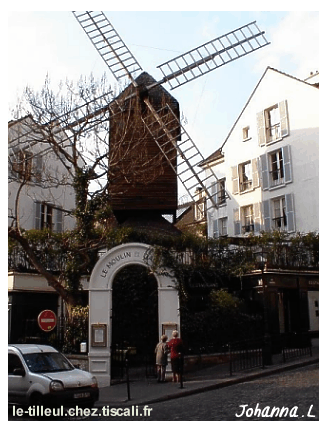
column 161, row 352
column 176, row 351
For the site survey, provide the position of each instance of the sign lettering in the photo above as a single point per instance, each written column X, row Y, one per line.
column 114, row 261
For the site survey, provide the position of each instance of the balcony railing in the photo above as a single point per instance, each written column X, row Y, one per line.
column 18, row 261
column 273, row 132
column 247, row 228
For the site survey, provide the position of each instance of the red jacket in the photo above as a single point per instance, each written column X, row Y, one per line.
column 176, row 347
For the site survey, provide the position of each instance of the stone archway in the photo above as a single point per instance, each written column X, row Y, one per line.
column 100, row 301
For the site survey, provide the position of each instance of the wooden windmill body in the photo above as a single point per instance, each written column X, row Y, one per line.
column 141, row 182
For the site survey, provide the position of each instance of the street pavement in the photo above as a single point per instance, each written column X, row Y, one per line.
column 292, row 395
column 148, row 391
column 212, row 394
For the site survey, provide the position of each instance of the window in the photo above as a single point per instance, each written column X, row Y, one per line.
column 199, row 211
column 22, row 165
column 199, row 208
column 48, row 217
column 221, row 191
column 25, row 165
column 245, row 176
column 272, row 123
column 220, row 227
column 247, row 218
column 276, row 168
column 47, row 362
column 14, row 362
column 218, row 192
column 246, row 133
column 279, row 214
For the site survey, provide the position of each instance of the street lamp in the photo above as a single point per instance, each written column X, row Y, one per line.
column 261, row 260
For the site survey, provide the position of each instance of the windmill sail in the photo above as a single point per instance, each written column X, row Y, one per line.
column 212, row 55
column 109, row 44
column 161, row 124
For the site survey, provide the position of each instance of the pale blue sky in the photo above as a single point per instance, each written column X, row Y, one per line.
column 53, row 42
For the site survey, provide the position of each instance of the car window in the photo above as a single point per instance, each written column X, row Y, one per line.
column 13, row 363
column 47, row 362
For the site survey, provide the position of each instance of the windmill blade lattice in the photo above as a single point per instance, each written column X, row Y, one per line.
column 109, row 44
column 161, row 124
column 212, row 55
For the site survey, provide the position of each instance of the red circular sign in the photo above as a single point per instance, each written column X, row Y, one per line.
column 47, row 320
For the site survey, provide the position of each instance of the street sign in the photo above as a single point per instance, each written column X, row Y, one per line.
column 47, row 320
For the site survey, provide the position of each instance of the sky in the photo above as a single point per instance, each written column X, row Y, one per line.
column 53, row 43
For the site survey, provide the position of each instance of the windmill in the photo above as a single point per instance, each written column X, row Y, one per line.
column 167, row 152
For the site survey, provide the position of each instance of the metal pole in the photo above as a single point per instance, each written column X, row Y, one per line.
column 127, row 380
column 181, row 369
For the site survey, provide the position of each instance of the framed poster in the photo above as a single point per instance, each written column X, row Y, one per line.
column 99, row 335
column 168, row 328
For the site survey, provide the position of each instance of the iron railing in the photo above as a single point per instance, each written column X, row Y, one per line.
column 244, row 355
column 295, row 345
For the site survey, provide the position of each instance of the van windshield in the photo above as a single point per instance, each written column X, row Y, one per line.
column 47, row 362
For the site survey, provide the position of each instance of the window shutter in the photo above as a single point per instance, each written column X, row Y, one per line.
column 283, row 118
column 290, row 212
column 266, row 215
column 287, row 163
column 235, row 179
column 261, row 128
column 37, row 215
column 58, row 220
column 257, row 217
column 264, row 172
column 255, row 173
column 237, row 222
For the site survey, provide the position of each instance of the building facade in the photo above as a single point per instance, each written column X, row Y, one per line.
column 269, row 165
column 40, row 196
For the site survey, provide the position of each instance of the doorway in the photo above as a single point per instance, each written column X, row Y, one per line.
column 134, row 317
column 101, row 288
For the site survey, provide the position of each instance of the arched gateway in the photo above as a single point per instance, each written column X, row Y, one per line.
column 100, row 301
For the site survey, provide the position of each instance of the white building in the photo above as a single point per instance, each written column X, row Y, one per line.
column 269, row 161
column 40, row 195
column 40, row 192
column 269, row 167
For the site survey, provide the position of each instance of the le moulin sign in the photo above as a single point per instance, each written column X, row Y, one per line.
column 123, row 256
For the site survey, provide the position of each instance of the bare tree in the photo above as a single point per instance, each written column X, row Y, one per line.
column 59, row 141
column 72, row 127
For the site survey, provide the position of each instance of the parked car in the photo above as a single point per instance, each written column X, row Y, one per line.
column 40, row 375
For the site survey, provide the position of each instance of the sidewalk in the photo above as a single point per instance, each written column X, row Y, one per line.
column 146, row 391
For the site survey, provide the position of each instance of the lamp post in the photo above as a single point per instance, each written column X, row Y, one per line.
column 261, row 259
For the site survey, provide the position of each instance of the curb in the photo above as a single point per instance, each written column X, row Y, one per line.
column 227, row 383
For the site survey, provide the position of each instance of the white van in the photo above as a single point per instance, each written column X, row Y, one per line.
column 40, row 375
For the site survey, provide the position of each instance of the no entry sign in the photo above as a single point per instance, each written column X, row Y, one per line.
column 47, row 320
